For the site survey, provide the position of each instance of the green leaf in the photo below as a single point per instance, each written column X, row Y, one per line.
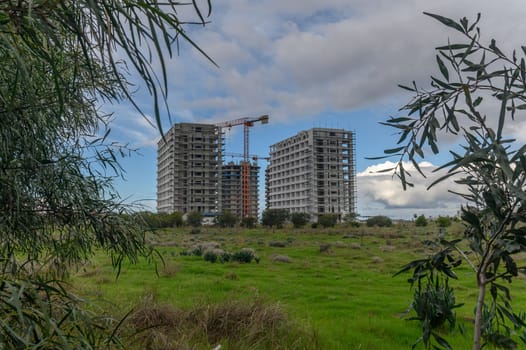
column 441, row 341
column 443, row 68
column 453, row 47
column 393, row 150
column 406, row 88
column 447, row 21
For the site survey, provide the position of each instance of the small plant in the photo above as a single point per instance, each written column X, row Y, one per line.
column 225, row 257
column 231, row 276
column 210, row 256
column 325, row 248
column 245, row 255
column 197, row 251
column 433, row 300
column 277, row 244
column 281, row 258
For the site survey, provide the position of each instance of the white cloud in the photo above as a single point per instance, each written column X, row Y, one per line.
column 381, row 192
column 299, row 58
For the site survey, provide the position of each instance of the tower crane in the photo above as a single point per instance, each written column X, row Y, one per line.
column 247, row 122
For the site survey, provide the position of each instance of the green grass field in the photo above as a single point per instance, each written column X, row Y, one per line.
column 346, row 296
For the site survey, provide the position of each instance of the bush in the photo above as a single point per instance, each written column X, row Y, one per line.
column 421, row 221
column 245, row 255
column 277, row 244
column 299, row 219
column 380, row 221
column 328, row 220
column 161, row 220
column 210, row 256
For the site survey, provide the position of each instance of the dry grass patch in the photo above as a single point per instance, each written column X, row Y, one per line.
column 280, row 258
column 234, row 324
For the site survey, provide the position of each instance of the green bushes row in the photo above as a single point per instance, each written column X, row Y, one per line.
column 213, row 255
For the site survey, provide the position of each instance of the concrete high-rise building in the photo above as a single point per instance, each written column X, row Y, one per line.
column 232, row 186
column 189, row 161
column 313, row 172
column 191, row 175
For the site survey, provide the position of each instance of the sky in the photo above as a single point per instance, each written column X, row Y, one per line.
column 306, row 63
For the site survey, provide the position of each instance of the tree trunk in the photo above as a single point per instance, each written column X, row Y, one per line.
column 477, row 332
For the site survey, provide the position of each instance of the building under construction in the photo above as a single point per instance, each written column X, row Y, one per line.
column 231, row 189
column 191, row 175
column 313, row 172
column 189, row 160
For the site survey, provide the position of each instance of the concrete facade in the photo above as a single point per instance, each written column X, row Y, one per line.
column 189, row 161
column 313, row 172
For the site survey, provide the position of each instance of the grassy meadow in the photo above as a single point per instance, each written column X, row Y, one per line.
column 335, row 287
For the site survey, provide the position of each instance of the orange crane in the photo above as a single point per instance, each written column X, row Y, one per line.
column 245, row 170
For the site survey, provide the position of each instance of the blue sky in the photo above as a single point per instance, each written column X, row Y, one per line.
column 306, row 63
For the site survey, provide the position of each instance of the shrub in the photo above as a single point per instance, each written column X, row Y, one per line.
column 421, row 221
column 210, row 256
column 299, row 219
column 380, row 221
column 245, row 255
column 281, row 258
column 195, row 231
column 277, row 244
column 328, row 220
column 325, row 248
column 197, row 251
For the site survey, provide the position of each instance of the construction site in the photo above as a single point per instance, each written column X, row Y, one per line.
column 312, row 172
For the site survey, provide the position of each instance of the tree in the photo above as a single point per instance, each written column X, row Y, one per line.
column 194, row 218
column 379, row 220
column 274, row 217
column 249, row 222
column 328, row 220
column 491, row 166
column 352, row 219
column 421, row 221
column 57, row 203
column 227, row 219
column 299, row 219
column 443, row 221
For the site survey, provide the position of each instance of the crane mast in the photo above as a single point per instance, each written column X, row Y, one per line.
column 245, row 167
